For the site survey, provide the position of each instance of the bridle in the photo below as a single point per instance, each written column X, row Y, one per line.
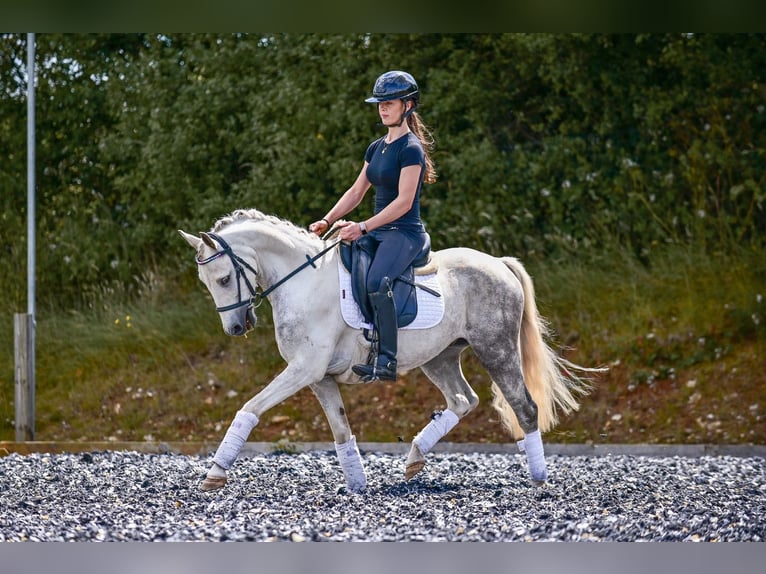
column 239, row 267
column 256, row 296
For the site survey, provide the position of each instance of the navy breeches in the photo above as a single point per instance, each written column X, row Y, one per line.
column 396, row 251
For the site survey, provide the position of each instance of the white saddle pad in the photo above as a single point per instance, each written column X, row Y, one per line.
column 430, row 307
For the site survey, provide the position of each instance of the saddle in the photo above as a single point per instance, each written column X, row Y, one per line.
column 357, row 258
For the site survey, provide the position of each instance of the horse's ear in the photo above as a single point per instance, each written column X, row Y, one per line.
column 207, row 240
column 195, row 242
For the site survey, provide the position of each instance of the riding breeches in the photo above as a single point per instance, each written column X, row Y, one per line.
column 396, row 251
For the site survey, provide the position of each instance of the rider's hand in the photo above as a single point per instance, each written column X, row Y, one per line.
column 319, row 227
column 349, row 230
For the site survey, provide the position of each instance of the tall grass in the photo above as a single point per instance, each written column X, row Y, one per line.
column 601, row 304
column 158, row 366
column 123, row 367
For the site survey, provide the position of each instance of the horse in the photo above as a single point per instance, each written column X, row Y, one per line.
column 489, row 306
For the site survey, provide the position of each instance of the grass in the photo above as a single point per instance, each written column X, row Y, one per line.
column 684, row 341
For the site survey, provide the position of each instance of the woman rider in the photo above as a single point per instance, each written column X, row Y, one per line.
column 397, row 165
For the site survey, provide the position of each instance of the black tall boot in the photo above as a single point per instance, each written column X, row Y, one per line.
column 383, row 364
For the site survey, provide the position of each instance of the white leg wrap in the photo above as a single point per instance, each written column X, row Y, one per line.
column 351, row 463
column 234, row 439
column 435, row 430
column 533, row 445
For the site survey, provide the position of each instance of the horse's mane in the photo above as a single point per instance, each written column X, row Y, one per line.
column 253, row 215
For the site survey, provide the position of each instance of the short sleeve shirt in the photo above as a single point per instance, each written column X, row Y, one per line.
column 385, row 164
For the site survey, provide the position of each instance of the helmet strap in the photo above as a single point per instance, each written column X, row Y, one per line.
column 408, row 113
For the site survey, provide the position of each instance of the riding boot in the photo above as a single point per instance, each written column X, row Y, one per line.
column 383, row 365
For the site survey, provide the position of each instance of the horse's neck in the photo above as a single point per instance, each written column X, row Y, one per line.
column 277, row 251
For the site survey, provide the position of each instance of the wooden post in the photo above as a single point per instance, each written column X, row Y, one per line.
column 24, row 345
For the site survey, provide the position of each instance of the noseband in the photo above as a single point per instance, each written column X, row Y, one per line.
column 256, row 297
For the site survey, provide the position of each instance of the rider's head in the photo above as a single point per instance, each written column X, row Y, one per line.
column 396, row 85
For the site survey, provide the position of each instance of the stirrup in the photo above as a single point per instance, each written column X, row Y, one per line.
column 370, row 373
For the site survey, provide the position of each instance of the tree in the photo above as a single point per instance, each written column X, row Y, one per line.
column 546, row 145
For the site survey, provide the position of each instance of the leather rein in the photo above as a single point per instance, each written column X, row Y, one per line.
column 256, row 296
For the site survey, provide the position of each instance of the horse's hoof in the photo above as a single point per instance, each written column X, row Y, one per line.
column 413, row 468
column 539, row 483
column 212, row 483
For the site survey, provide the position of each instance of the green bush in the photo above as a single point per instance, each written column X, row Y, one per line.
column 548, row 146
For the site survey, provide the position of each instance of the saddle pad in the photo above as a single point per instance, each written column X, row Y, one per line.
column 430, row 307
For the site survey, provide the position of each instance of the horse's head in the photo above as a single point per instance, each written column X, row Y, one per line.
column 230, row 280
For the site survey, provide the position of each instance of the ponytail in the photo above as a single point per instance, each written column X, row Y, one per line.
column 427, row 141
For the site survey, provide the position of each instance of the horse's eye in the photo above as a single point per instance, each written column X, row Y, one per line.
column 224, row 280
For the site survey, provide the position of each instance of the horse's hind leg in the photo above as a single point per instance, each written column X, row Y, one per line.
column 503, row 363
column 445, row 372
column 350, row 460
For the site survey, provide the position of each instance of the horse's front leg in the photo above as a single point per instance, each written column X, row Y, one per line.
column 350, row 459
column 441, row 423
column 286, row 384
column 445, row 372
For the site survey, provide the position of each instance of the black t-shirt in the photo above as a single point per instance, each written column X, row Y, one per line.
column 385, row 164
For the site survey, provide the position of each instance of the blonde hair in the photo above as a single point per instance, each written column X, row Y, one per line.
column 426, row 139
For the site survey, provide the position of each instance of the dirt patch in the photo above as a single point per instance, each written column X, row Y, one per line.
column 718, row 403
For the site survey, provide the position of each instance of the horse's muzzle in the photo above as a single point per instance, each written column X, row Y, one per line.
column 243, row 324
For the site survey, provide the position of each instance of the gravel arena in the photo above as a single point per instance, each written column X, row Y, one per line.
column 471, row 497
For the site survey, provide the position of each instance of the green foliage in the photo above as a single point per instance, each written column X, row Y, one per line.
column 546, row 145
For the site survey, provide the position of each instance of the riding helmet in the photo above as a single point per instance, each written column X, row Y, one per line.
column 394, row 85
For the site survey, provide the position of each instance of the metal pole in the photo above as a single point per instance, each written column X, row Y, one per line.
column 31, row 174
column 24, row 325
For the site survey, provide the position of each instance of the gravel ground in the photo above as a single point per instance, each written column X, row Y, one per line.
column 127, row 496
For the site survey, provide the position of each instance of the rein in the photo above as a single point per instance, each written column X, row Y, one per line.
column 256, row 297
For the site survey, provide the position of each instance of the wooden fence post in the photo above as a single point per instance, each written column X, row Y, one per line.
column 24, row 345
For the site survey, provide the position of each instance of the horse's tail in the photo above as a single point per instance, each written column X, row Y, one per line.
column 552, row 381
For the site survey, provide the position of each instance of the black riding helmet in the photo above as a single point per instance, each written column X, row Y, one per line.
column 394, row 85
